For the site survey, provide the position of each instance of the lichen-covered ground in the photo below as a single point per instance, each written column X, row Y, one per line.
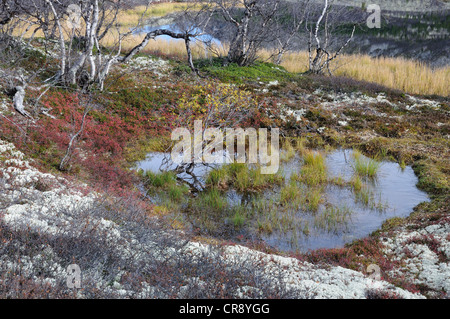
column 44, row 204
column 50, row 219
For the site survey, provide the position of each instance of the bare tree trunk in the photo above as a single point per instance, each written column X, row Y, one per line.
column 187, row 42
column 237, row 52
column 91, row 29
column 103, row 70
column 65, row 160
column 19, row 96
column 323, row 57
column 61, row 39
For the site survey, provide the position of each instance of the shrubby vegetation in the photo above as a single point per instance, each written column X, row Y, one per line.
column 156, row 212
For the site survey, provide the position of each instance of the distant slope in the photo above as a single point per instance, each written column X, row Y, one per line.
column 397, row 5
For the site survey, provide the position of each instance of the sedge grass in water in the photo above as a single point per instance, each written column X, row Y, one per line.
column 365, row 167
column 242, row 177
column 291, row 194
column 333, row 219
column 318, row 200
column 313, row 172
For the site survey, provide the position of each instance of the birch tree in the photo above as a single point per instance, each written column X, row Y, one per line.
column 250, row 23
column 287, row 28
column 83, row 62
column 319, row 45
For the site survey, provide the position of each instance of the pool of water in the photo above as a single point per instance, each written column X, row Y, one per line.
column 393, row 193
column 202, row 37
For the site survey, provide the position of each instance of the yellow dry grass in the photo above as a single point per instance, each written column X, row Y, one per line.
column 125, row 18
column 131, row 16
column 397, row 73
column 172, row 47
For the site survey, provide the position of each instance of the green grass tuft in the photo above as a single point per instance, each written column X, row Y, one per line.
column 365, row 167
column 333, row 218
column 314, row 171
column 212, row 200
column 242, row 178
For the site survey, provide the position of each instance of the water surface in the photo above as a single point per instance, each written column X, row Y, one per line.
column 393, row 194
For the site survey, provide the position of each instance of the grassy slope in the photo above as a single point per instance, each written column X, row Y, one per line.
column 415, row 141
column 421, row 146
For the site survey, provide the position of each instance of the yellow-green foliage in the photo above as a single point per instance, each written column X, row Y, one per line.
column 220, row 103
column 313, row 171
column 242, row 177
column 364, row 167
column 397, row 73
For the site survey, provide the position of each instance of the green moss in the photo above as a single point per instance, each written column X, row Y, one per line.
column 431, row 177
column 392, row 223
column 259, row 71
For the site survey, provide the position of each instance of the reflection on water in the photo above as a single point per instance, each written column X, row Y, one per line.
column 204, row 40
column 339, row 218
column 394, row 188
column 202, row 36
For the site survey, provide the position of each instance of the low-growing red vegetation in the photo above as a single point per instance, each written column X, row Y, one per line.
column 358, row 256
column 98, row 155
column 116, row 119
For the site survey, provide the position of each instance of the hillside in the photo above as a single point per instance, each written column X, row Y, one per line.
column 72, row 193
column 401, row 5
